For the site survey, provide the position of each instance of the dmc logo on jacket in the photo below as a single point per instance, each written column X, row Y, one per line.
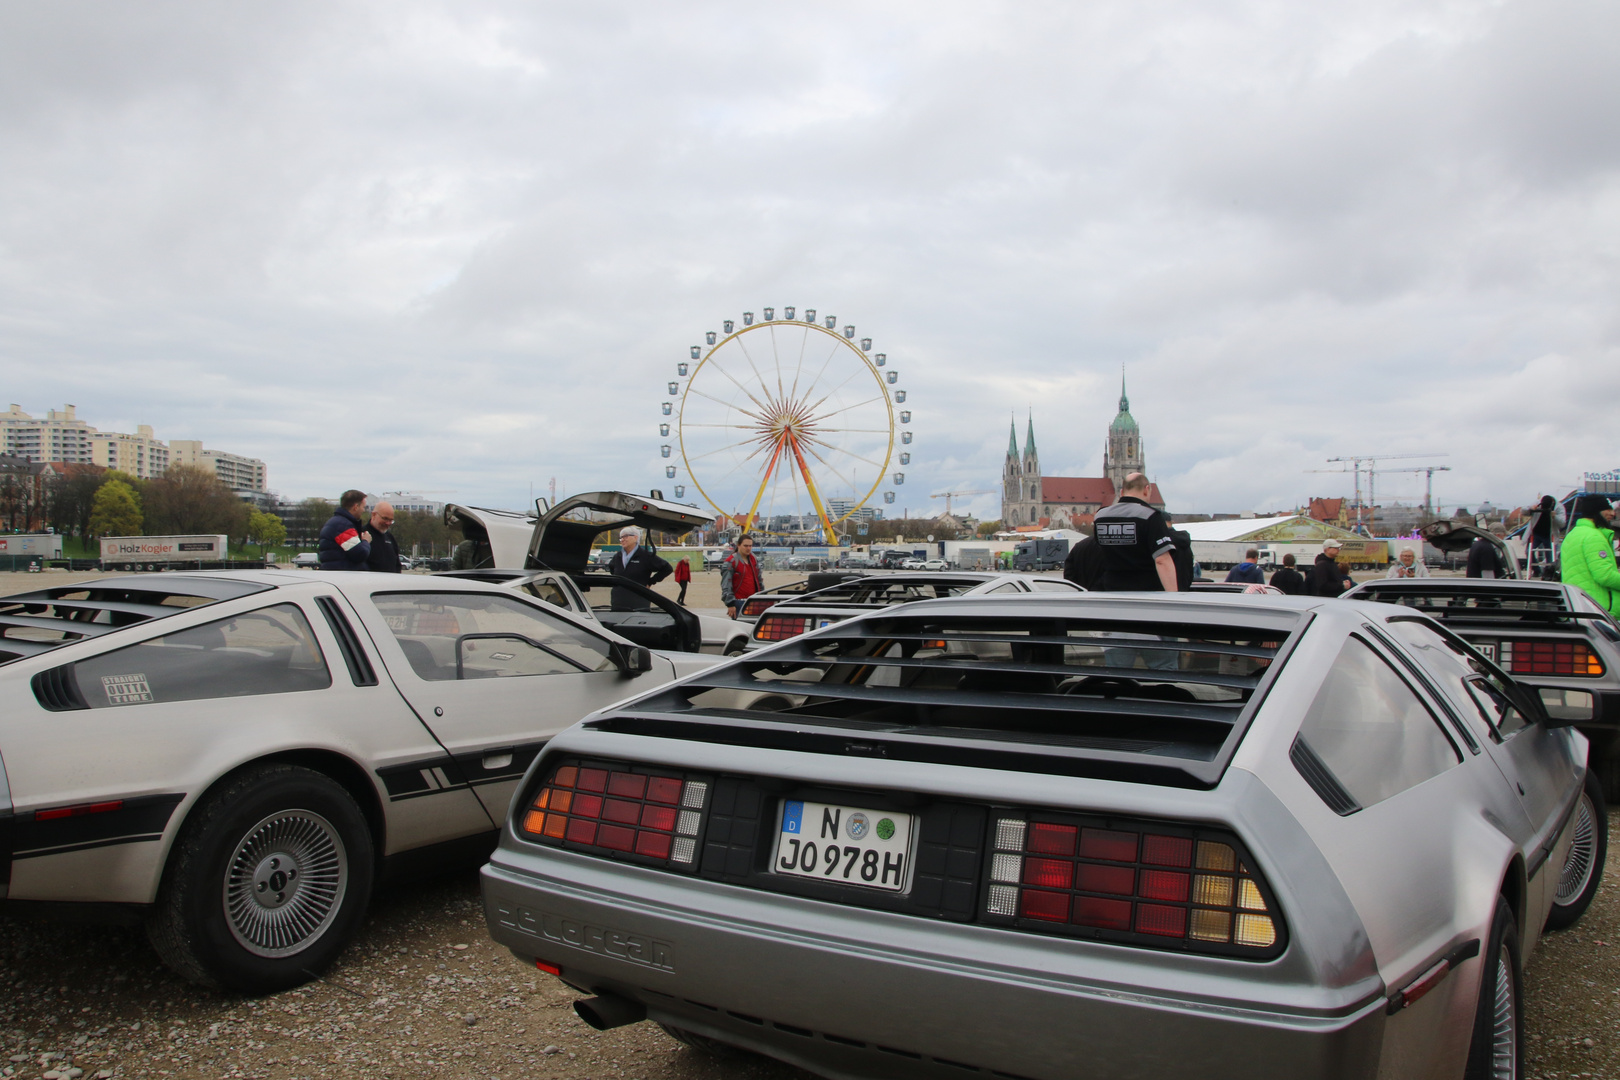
column 1116, row 533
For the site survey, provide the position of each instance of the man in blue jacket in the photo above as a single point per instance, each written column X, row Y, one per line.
column 345, row 544
column 1248, row 571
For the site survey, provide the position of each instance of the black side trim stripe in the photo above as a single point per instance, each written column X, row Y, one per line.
column 474, row 768
column 141, row 818
column 88, row 844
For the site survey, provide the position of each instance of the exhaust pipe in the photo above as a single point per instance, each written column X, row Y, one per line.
column 609, row 1011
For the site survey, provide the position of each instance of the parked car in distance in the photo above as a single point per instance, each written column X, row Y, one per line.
column 869, row 592
column 761, row 602
column 235, row 757
column 307, row 560
column 1056, row 836
column 936, row 564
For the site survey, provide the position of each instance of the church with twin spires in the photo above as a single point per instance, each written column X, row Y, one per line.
column 1030, row 500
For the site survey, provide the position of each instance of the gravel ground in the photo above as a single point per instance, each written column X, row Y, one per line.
column 423, row 992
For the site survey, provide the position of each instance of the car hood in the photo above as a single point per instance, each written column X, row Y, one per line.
column 1455, row 539
column 562, row 537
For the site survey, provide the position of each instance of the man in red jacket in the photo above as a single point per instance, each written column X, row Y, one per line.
column 739, row 577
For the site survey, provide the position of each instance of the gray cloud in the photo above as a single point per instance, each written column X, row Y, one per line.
column 462, row 248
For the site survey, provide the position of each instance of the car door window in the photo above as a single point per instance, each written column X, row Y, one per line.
column 1462, row 673
column 458, row 636
column 1371, row 730
column 268, row 651
column 549, row 591
column 1049, row 585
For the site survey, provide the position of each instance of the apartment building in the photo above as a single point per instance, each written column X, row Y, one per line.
column 59, row 436
column 240, row 474
column 62, row 437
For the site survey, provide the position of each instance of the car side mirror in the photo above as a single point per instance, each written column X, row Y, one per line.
column 631, row 660
column 1565, row 708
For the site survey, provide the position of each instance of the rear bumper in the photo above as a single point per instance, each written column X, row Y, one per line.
column 858, row 993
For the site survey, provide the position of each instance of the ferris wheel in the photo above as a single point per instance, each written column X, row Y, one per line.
column 786, row 425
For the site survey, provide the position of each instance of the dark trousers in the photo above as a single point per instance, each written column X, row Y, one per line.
column 681, row 599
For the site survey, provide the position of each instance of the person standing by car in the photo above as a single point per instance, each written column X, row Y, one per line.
column 1248, row 571
column 384, row 557
column 1407, row 564
column 1137, row 546
column 1485, row 557
column 683, row 578
column 1586, row 558
column 638, row 564
column 345, row 544
column 1288, row 579
column 1083, row 565
column 1327, row 577
column 739, row 576
column 1542, row 537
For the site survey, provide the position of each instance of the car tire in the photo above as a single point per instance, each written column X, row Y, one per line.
column 1582, row 873
column 1496, row 1051
column 267, row 881
column 714, row 1048
column 737, row 647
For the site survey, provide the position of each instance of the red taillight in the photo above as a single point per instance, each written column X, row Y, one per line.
column 1135, row 884
column 753, row 609
column 1533, row 657
column 549, row 969
column 654, row 817
column 780, row 627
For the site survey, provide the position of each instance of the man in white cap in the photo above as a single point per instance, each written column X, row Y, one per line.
column 637, row 564
column 1326, row 577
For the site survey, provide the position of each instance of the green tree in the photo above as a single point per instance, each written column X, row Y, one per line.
column 266, row 530
column 188, row 500
column 116, row 510
column 988, row 528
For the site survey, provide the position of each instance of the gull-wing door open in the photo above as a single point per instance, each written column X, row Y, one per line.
column 1455, row 539
column 563, row 535
column 502, row 536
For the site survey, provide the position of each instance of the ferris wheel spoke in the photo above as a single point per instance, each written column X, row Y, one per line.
column 729, row 446
column 736, row 427
column 833, row 391
column 834, row 470
column 776, row 358
column 718, row 366
column 798, row 368
column 847, row 453
column 690, row 389
column 852, row 431
column 824, row 416
column 824, row 365
column 754, row 368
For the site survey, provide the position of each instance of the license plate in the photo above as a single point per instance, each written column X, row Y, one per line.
column 846, row 844
column 1487, row 649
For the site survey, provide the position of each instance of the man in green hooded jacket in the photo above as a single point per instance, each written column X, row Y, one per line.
column 1586, row 558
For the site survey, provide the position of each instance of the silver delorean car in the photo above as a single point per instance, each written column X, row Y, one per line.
column 1050, row 837
column 233, row 757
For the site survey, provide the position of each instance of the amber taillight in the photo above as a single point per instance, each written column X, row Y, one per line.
column 753, row 608
column 780, row 627
column 1531, row 657
column 1131, row 884
column 620, row 810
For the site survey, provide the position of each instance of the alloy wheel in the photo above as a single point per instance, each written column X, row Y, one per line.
column 285, row 883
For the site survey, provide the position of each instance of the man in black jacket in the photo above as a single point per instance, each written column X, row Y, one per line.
column 1083, row 566
column 345, row 543
column 1288, row 579
column 637, row 564
column 1326, row 577
column 1485, row 558
column 384, row 555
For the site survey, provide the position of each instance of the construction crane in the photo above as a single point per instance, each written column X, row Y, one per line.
column 949, row 495
column 1428, row 472
column 1355, row 461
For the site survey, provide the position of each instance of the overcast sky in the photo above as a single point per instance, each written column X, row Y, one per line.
column 460, row 247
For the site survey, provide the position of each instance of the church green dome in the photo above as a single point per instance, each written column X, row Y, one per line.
column 1124, row 423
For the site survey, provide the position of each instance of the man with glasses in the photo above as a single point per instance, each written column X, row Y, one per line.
column 384, row 556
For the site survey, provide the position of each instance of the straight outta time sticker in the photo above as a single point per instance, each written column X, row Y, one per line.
column 126, row 689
